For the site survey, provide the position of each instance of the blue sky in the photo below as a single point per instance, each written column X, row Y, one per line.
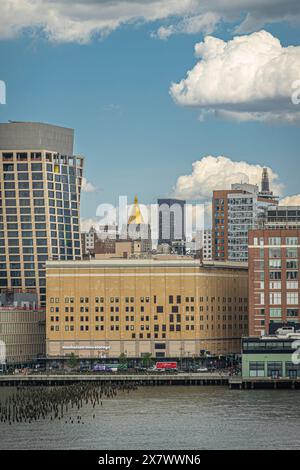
column 115, row 93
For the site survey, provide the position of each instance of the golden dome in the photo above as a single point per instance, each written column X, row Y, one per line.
column 136, row 215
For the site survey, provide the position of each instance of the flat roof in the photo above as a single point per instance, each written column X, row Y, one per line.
column 17, row 135
column 146, row 263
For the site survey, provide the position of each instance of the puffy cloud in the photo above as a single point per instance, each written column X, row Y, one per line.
column 260, row 13
column 266, row 116
column 212, row 173
column 88, row 187
column 290, row 200
column 250, row 15
column 81, row 20
column 250, row 77
column 205, row 23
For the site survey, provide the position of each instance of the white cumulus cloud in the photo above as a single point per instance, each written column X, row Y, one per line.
column 88, row 187
column 81, row 20
column 290, row 200
column 250, row 77
column 212, row 173
column 205, row 23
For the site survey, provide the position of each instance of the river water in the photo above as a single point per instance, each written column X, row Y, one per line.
column 170, row 417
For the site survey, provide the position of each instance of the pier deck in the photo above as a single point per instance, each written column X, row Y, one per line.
column 253, row 383
column 142, row 379
column 234, row 383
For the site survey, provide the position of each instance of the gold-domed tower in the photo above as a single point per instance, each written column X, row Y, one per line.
column 138, row 231
column 136, row 216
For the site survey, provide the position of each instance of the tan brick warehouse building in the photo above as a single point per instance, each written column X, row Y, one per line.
column 168, row 308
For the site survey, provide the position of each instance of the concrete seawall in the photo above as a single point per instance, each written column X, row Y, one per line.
column 234, row 383
column 143, row 379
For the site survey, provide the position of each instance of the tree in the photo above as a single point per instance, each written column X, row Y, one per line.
column 147, row 360
column 123, row 360
column 72, row 361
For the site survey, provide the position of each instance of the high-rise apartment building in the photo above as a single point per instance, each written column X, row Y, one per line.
column 40, row 185
column 171, row 224
column 234, row 212
column 168, row 308
column 273, row 278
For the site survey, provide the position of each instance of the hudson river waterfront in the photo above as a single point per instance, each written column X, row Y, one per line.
column 173, row 417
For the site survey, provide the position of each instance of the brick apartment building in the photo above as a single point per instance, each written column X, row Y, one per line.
column 273, row 278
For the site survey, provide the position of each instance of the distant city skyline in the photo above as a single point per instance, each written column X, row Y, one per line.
column 144, row 127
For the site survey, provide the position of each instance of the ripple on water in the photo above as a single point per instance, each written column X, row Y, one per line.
column 170, row 418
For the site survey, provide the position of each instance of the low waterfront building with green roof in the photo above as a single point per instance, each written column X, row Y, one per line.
column 275, row 357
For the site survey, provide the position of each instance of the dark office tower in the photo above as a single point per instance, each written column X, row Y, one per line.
column 171, row 227
column 265, row 185
column 40, row 184
column 265, row 193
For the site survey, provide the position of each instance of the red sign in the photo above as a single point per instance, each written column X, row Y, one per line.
column 166, row 365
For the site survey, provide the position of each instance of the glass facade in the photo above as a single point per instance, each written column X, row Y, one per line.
column 39, row 216
column 242, row 213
